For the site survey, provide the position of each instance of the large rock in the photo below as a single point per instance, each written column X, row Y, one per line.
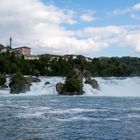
column 87, row 76
column 19, row 84
column 59, row 88
column 4, row 87
column 88, row 80
column 94, row 84
column 47, row 83
column 73, row 84
column 34, row 79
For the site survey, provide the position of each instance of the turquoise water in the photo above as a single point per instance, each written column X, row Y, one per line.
column 46, row 117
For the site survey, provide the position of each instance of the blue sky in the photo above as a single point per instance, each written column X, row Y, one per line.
column 87, row 27
column 102, row 10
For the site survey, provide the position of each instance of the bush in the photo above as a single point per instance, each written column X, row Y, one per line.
column 18, row 84
column 2, row 79
column 74, row 85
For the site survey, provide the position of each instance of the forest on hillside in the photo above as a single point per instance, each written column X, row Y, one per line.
column 45, row 66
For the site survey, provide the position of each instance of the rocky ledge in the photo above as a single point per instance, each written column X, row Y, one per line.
column 74, row 83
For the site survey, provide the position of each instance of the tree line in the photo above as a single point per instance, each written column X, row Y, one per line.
column 103, row 66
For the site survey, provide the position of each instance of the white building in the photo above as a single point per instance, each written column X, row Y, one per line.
column 31, row 57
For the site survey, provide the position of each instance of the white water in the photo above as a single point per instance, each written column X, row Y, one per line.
column 120, row 87
column 108, row 87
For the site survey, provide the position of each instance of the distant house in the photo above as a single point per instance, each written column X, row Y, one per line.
column 26, row 52
column 31, row 57
column 88, row 59
column 23, row 51
column 3, row 50
column 66, row 57
column 74, row 56
column 70, row 56
column 2, row 47
column 52, row 56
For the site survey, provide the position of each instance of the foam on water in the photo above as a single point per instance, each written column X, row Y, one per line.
column 120, row 87
column 76, row 118
column 72, row 111
column 41, row 88
column 30, row 115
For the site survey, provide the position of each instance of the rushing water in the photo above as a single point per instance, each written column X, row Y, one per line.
column 118, row 87
column 53, row 117
column 69, row 118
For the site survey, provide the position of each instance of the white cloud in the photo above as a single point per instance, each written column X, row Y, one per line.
column 133, row 11
column 125, row 36
column 121, row 11
column 134, row 16
column 88, row 17
column 136, row 7
column 42, row 27
column 32, row 21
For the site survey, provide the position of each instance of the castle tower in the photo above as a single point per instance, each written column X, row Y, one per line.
column 10, row 42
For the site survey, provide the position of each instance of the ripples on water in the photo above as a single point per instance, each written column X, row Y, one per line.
column 60, row 118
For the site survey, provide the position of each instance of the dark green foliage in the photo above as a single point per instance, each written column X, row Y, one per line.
column 2, row 79
column 18, row 84
column 103, row 66
column 74, row 85
column 74, row 82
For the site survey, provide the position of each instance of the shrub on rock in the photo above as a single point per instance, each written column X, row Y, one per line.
column 73, row 84
column 19, row 84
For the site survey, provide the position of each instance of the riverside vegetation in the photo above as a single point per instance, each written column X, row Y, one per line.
column 103, row 66
column 74, row 70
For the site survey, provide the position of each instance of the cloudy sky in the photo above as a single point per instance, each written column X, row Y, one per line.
column 87, row 27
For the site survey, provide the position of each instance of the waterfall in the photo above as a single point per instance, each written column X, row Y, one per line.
column 119, row 87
